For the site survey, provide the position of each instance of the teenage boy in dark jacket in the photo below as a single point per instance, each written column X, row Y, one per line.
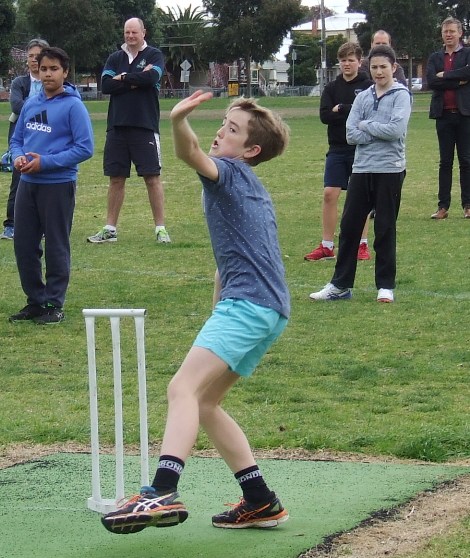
column 336, row 101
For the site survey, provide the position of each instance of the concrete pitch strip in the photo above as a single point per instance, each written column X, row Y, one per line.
column 44, row 510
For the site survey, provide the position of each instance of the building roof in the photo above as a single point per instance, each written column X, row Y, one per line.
column 342, row 22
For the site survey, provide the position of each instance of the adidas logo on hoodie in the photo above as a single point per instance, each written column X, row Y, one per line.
column 39, row 123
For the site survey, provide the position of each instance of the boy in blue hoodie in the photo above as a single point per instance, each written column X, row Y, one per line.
column 53, row 134
column 377, row 126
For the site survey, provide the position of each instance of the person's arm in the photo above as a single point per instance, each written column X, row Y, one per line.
column 17, row 97
column 396, row 127
column 185, row 140
column 354, row 135
column 16, row 143
column 80, row 150
column 435, row 72
column 217, row 288
column 150, row 75
column 329, row 113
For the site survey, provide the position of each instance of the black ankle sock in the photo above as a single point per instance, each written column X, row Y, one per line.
column 252, row 484
column 168, row 474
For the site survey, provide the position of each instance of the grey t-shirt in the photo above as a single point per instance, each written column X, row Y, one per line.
column 243, row 230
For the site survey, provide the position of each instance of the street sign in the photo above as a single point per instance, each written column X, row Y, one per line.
column 185, row 65
column 184, row 78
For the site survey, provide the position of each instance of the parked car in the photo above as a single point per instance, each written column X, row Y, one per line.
column 416, row 84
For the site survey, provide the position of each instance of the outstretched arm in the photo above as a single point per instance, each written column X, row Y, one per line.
column 186, row 143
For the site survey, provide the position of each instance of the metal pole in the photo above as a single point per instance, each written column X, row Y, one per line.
column 323, row 46
column 294, row 58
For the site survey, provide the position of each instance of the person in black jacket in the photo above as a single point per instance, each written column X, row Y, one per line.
column 335, row 104
column 448, row 76
column 131, row 77
column 22, row 87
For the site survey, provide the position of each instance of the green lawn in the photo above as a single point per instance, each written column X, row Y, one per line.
column 348, row 376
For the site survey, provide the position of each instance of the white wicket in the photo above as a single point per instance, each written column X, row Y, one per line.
column 96, row 502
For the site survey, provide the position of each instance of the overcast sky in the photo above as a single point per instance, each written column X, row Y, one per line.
column 339, row 6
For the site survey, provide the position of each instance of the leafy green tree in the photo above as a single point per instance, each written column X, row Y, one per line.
column 7, row 23
column 77, row 27
column 88, row 30
column 249, row 29
column 307, row 49
column 182, row 35
column 143, row 9
column 460, row 10
column 412, row 25
column 308, row 56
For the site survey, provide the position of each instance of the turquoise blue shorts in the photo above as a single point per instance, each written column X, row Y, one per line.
column 240, row 332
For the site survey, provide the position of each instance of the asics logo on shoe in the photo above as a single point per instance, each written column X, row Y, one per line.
column 39, row 123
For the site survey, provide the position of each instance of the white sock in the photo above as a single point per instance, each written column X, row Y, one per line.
column 328, row 244
column 110, row 228
column 364, row 241
column 159, row 228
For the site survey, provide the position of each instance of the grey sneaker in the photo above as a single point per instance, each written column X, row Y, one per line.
column 104, row 235
column 162, row 235
column 8, row 233
column 330, row 292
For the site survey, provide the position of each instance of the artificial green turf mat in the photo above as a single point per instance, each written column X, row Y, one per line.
column 44, row 514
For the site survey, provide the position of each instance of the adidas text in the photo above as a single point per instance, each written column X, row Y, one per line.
column 39, row 127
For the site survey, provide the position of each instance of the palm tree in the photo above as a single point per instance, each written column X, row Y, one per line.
column 182, row 31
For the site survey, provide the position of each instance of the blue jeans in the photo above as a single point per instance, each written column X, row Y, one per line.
column 453, row 131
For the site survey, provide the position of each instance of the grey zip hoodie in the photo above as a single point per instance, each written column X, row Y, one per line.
column 377, row 127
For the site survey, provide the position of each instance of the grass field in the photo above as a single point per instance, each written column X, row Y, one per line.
column 347, row 376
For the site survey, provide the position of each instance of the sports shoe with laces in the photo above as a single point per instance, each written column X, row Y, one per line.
column 8, row 233
column 363, row 252
column 104, row 235
column 146, row 510
column 320, row 253
column 385, row 295
column 245, row 515
column 330, row 292
column 162, row 235
column 51, row 315
column 29, row 312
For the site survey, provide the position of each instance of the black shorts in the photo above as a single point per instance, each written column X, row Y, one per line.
column 125, row 145
column 338, row 168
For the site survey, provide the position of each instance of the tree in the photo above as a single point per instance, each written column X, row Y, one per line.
column 143, row 9
column 249, row 29
column 88, row 30
column 308, row 51
column 182, row 36
column 460, row 10
column 412, row 25
column 76, row 27
column 7, row 23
